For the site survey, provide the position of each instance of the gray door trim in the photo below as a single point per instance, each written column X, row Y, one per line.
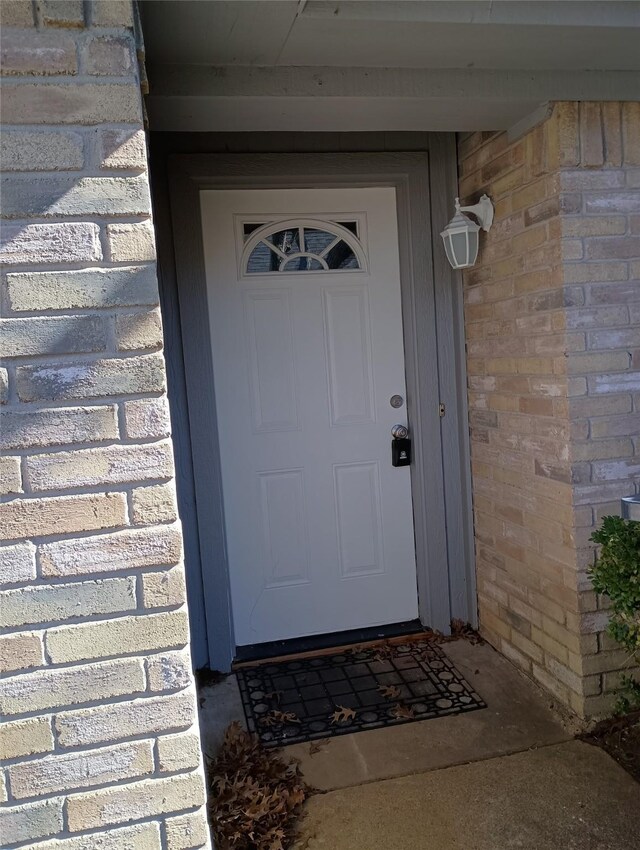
column 434, row 352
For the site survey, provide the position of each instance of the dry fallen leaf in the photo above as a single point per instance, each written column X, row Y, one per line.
column 275, row 718
column 405, row 712
column 287, row 716
column 389, row 691
column 342, row 715
column 460, row 629
column 355, row 650
column 384, row 652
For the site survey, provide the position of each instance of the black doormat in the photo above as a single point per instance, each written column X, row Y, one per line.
column 286, row 702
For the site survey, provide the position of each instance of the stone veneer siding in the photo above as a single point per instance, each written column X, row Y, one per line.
column 100, row 738
column 552, row 314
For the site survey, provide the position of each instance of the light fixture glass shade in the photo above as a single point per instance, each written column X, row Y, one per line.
column 461, row 241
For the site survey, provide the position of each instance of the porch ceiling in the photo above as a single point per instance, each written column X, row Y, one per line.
column 421, row 65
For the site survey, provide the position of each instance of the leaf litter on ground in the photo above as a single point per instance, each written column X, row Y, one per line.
column 620, row 737
column 256, row 796
column 459, row 631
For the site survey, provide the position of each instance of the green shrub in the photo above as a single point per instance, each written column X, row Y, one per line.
column 616, row 573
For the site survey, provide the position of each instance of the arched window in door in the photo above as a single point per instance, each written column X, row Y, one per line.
column 302, row 245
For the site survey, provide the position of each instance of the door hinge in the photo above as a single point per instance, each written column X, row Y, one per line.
column 441, row 410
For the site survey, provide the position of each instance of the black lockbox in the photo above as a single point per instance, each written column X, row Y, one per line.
column 401, row 452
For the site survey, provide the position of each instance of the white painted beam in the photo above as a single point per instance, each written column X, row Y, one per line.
column 335, row 82
column 334, row 114
column 251, row 99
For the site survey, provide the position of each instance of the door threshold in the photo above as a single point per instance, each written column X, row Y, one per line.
column 318, row 644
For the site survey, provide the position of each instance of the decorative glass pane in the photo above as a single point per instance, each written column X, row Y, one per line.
column 262, row 259
column 316, row 241
column 460, row 248
column 302, row 264
column 288, row 241
column 341, row 256
column 249, row 226
column 350, row 225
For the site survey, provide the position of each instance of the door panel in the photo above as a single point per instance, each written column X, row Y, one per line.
column 286, row 552
column 270, row 354
column 357, row 499
column 347, row 335
column 307, row 351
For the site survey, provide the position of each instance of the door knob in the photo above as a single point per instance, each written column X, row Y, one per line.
column 399, row 432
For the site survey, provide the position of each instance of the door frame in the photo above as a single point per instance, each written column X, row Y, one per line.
column 433, row 336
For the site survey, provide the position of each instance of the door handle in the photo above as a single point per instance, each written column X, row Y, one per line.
column 399, row 432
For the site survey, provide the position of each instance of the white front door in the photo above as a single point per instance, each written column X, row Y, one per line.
column 304, row 303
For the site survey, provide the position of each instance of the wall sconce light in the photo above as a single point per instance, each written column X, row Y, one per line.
column 461, row 237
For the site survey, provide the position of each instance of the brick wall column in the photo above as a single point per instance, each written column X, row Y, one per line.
column 551, row 314
column 601, row 239
column 100, row 732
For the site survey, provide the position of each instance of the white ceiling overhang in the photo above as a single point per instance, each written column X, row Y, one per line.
column 250, row 65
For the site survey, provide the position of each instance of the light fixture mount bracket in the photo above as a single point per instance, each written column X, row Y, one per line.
column 483, row 211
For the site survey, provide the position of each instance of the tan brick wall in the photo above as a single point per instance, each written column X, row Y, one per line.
column 602, row 239
column 553, row 382
column 100, row 730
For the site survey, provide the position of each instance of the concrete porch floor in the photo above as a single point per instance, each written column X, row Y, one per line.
column 508, row 776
